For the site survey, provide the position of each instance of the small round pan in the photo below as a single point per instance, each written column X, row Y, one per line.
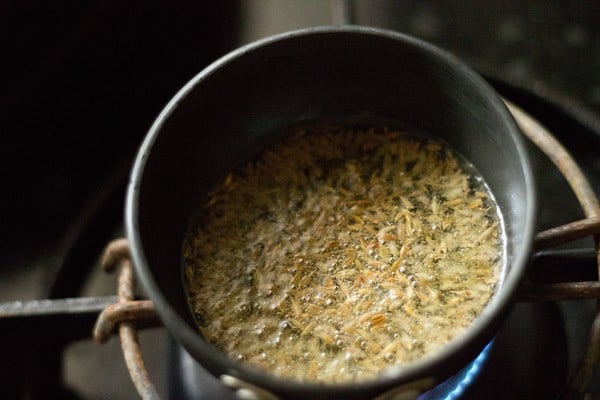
column 235, row 107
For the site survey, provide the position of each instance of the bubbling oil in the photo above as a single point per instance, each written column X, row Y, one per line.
column 338, row 253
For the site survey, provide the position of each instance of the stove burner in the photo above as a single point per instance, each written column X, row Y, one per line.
column 507, row 368
column 458, row 385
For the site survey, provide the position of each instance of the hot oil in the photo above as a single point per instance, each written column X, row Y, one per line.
column 339, row 252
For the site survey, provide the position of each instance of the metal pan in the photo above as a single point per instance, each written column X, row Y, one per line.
column 232, row 109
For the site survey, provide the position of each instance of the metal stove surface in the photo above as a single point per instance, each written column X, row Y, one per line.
column 82, row 83
column 531, row 356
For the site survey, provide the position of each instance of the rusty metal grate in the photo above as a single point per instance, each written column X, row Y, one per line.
column 129, row 315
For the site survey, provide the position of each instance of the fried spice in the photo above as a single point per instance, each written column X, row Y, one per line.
column 338, row 253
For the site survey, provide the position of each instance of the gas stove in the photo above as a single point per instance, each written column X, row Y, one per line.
column 93, row 77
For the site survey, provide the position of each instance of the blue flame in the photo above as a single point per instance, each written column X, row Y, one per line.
column 455, row 386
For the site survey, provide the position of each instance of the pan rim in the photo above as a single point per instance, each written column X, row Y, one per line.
column 477, row 332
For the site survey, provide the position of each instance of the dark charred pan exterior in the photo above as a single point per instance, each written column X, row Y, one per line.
column 232, row 109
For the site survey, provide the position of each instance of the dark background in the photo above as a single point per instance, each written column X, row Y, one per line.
column 80, row 83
